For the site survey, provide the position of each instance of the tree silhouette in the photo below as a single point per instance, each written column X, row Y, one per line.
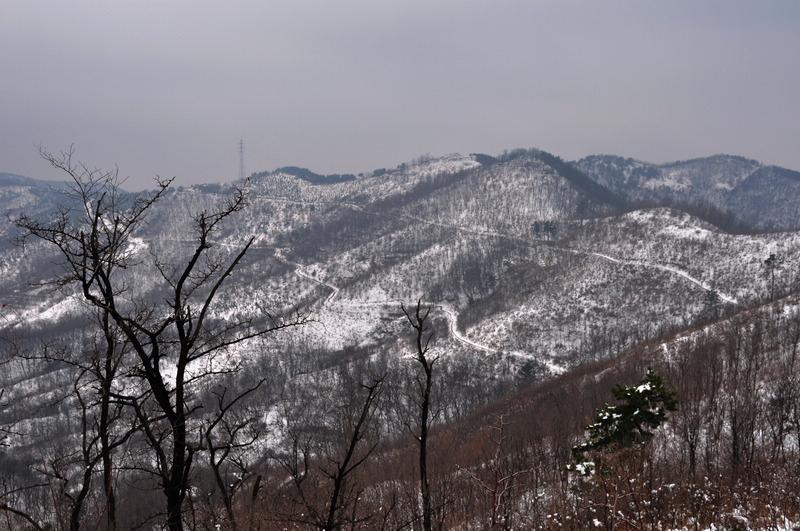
column 176, row 345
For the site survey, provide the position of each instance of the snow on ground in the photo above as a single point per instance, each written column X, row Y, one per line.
column 671, row 269
column 668, row 179
column 452, row 319
column 52, row 310
column 135, row 245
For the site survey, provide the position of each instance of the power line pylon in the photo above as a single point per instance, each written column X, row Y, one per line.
column 241, row 159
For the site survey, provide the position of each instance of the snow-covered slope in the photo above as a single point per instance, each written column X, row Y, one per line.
column 526, row 272
column 763, row 197
column 500, row 245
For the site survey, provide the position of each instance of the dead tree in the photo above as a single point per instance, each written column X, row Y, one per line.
column 225, row 435
column 424, row 387
column 323, row 492
column 176, row 344
column 10, row 346
column 500, row 475
column 354, row 455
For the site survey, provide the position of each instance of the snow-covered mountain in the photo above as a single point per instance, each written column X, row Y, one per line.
column 529, row 266
column 762, row 197
column 530, row 262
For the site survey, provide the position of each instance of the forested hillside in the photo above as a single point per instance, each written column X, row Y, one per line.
column 414, row 347
column 741, row 193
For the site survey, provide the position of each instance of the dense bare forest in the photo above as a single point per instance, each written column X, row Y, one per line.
column 728, row 457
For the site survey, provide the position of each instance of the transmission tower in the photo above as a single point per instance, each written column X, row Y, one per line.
column 241, row 159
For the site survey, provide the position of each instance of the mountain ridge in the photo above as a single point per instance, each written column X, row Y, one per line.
column 530, row 270
column 761, row 196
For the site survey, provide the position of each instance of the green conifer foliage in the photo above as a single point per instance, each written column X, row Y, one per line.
column 643, row 408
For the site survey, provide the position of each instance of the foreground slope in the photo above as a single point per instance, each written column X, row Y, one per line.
column 727, row 459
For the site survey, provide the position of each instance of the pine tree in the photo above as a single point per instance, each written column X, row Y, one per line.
column 643, row 408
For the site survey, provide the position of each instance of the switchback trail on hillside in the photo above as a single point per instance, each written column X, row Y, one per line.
column 298, row 269
column 450, row 314
column 669, row 269
column 452, row 321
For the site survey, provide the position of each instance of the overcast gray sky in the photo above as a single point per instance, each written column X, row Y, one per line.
column 170, row 87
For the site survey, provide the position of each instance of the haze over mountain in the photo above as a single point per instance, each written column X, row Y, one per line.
column 531, row 265
column 169, row 88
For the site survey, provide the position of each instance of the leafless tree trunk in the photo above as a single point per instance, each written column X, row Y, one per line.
column 235, row 435
column 353, row 456
column 93, row 232
column 418, row 319
column 323, row 490
column 501, row 481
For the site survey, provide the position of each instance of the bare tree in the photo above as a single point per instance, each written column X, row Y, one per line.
column 424, row 382
column 225, row 436
column 101, row 428
column 771, row 264
column 10, row 345
column 70, row 471
column 351, row 456
column 177, row 344
column 500, row 476
column 324, row 492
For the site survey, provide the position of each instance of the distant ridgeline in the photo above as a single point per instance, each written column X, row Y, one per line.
column 12, row 179
column 575, row 176
column 734, row 193
column 310, row 176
